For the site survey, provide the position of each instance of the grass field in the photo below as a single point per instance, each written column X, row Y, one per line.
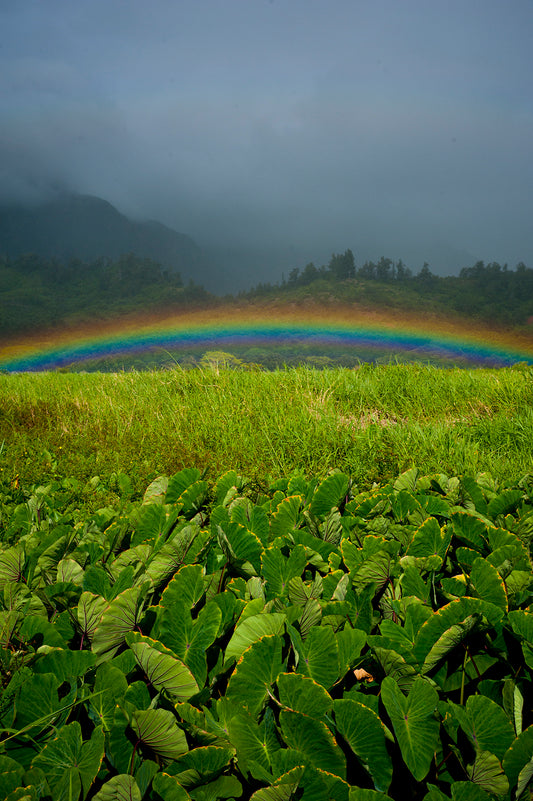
column 372, row 423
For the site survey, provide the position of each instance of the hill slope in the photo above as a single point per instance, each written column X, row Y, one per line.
column 87, row 228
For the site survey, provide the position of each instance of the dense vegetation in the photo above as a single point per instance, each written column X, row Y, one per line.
column 309, row 642
column 38, row 293
column 489, row 292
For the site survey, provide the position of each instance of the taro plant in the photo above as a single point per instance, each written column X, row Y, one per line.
column 308, row 642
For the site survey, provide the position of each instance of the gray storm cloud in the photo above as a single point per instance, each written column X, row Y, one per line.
column 394, row 129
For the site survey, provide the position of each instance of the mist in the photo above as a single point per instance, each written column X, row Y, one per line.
column 274, row 133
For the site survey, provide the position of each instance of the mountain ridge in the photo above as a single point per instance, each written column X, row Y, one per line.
column 87, row 227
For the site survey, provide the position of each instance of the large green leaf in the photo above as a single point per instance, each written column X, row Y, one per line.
column 442, row 620
column 313, row 739
column 360, row 794
column 186, row 587
column 256, row 671
column 329, row 494
column 319, row 655
column 158, row 730
column 486, row 724
column 188, row 639
column 120, row 617
column 168, row 788
column 518, row 760
column 364, row 732
column 201, row 765
column 163, row 670
column 71, row 765
column 251, row 630
column 250, row 741
column 415, row 724
column 487, row 773
column 302, row 694
column 429, row 540
column 119, row 788
column 488, row 583
column 282, row 789
column 110, row 686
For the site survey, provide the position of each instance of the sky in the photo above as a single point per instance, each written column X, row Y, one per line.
column 398, row 128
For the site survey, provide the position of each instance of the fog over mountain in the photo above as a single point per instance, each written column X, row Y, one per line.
column 274, row 133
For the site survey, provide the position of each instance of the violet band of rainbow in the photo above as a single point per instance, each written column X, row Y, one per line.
column 186, row 334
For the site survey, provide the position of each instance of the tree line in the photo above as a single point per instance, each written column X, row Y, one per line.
column 489, row 291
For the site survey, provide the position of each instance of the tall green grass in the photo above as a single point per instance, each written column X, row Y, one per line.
column 372, row 422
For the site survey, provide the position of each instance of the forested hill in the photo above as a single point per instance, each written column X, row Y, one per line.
column 38, row 294
column 490, row 292
column 85, row 227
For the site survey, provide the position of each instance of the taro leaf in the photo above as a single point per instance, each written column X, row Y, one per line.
column 250, row 741
column 415, row 725
column 8, row 624
column 11, row 565
column 456, row 612
column 256, row 671
column 201, row 765
column 255, row 520
column 120, row 788
column 518, row 760
column 488, row 583
column 467, row 791
column 365, row 734
column 65, row 664
column 240, row 546
column 39, row 631
column 360, row 794
column 394, row 665
column 504, row 503
column 312, row 612
column 190, row 639
column 319, row 658
column 278, row 570
column 251, row 630
column 11, row 773
column 376, row 569
column 449, row 640
column 470, row 529
column 158, row 730
column 68, row 570
column 485, row 723
column 329, row 494
column 522, row 625
column 407, row 480
column 71, row 765
column 287, row 516
column 488, row 774
column 282, row 789
column 168, row 788
column 474, row 490
column 173, row 554
column 186, row 587
column 429, row 540
column 513, row 703
column 314, row 740
column 120, row 617
column 162, row 668
column 179, row 482
column 155, row 492
column 38, row 698
column 350, row 643
column 301, row 694
column 110, row 686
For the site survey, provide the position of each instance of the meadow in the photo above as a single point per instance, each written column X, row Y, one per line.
column 372, row 423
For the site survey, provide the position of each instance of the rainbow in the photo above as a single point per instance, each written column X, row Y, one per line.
column 325, row 330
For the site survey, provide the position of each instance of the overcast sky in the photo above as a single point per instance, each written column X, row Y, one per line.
column 395, row 127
